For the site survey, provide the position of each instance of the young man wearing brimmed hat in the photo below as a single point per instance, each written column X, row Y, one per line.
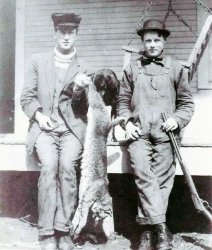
column 154, row 84
column 54, row 99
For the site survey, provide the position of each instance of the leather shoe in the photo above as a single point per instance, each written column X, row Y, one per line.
column 65, row 243
column 48, row 242
column 163, row 237
column 146, row 241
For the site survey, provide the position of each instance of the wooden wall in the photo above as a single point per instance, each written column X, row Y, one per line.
column 7, row 65
column 106, row 26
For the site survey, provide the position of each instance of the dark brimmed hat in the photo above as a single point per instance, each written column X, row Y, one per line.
column 153, row 24
column 66, row 19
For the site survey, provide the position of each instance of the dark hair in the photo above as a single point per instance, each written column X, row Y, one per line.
column 160, row 33
column 106, row 79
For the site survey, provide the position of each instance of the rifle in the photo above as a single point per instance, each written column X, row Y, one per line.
column 198, row 203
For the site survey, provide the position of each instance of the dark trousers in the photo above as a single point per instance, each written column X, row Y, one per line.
column 154, row 169
column 59, row 156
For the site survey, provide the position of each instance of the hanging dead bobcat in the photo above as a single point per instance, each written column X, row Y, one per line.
column 94, row 197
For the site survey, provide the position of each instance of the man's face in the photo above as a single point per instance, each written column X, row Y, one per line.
column 153, row 44
column 65, row 37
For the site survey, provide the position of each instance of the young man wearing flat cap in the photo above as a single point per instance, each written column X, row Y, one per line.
column 154, row 84
column 54, row 99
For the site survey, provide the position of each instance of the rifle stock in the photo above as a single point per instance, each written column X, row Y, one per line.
column 198, row 203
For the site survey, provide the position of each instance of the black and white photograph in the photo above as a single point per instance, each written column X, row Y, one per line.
column 105, row 124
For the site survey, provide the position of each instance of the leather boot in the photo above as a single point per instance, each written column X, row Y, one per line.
column 146, row 241
column 163, row 237
column 146, row 238
column 48, row 242
column 64, row 241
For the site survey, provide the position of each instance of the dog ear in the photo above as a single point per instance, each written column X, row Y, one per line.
column 107, row 78
column 99, row 80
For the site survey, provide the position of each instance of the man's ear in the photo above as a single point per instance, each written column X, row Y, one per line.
column 55, row 33
column 165, row 39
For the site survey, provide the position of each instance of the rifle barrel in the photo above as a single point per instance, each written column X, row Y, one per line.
column 198, row 203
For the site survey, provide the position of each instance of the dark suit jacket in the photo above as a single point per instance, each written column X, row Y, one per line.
column 38, row 93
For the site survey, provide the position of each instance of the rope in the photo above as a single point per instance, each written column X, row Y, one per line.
column 141, row 20
column 179, row 17
column 170, row 9
column 204, row 6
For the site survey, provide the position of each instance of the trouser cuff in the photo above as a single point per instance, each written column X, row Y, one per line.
column 45, row 232
column 151, row 220
column 61, row 227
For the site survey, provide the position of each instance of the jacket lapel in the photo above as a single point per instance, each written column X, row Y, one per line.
column 72, row 70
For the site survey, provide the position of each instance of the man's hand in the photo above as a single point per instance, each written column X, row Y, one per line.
column 133, row 131
column 169, row 125
column 44, row 121
column 81, row 82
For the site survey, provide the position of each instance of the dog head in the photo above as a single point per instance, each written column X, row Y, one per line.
column 107, row 84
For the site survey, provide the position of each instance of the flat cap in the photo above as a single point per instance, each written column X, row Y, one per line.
column 153, row 24
column 66, row 19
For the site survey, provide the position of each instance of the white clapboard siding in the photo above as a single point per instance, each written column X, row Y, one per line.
column 106, row 26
